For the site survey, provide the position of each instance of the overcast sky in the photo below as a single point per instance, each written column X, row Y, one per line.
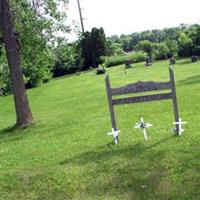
column 128, row 16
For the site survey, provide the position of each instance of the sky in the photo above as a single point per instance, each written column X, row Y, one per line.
column 127, row 16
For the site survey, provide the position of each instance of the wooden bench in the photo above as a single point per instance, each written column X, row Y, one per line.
column 142, row 87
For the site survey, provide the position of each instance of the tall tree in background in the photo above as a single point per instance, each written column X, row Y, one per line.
column 86, row 50
column 93, row 46
column 23, row 112
column 98, row 44
column 196, row 39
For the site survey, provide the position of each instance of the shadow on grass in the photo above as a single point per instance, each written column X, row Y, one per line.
column 190, row 80
column 132, row 172
column 11, row 134
column 14, row 133
column 105, row 152
column 9, row 129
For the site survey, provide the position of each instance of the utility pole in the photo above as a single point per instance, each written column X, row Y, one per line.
column 80, row 14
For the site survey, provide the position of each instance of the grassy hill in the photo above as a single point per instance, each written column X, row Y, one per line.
column 68, row 155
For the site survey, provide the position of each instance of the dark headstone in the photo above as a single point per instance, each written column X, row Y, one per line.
column 101, row 69
column 172, row 61
column 128, row 64
column 148, row 62
column 194, row 58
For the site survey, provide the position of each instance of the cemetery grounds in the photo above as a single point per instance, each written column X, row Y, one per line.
column 67, row 154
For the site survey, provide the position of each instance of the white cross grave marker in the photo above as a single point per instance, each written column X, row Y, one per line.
column 142, row 125
column 179, row 123
column 115, row 135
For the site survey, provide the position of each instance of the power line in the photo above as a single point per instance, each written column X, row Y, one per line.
column 80, row 14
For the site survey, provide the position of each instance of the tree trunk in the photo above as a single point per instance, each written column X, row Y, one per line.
column 23, row 112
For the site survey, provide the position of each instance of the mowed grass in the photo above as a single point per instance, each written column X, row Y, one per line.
column 67, row 154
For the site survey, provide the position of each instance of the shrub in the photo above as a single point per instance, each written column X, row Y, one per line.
column 5, row 85
column 101, row 69
column 160, row 51
column 121, row 59
column 194, row 58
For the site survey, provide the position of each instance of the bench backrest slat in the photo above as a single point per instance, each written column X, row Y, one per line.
column 154, row 97
column 141, row 87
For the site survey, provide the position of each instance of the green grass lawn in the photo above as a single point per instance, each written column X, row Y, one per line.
column 67, row 154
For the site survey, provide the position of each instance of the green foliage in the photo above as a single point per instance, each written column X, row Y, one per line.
column 33, row 28
column 67, row 154
column 98, row 45
column 177, row 39
column 195, row 35
column 173, row 47
column 113, row 48
column 121, row 59
column 5, row 85
column 160, row 51
column 65, row 58
column 86, row 50
column 125, row 43
column 93, row 46
column 36, row 23
column 38, row 70
column 185, row 45
column 172, row 33
column 146, row 46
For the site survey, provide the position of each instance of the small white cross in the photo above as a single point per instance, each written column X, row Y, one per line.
column 115, row 135
column 142, row 125
column 179, row 123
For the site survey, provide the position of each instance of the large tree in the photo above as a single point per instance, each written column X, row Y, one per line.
column 23, row 112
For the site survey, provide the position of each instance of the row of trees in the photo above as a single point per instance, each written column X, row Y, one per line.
column 158, row 44
column 181, row 41
column 87, row 51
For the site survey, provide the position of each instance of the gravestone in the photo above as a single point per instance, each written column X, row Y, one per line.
column 142, row 87
column 148, row 62
column 128, row 64
column 194, row 58
column 172, row 61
